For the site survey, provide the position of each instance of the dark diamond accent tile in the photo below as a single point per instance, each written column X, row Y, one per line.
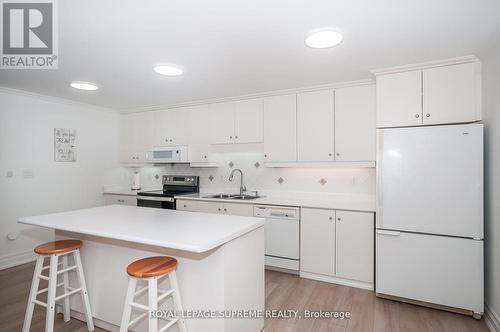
column 231, row 164
column 257, row 165
column 157, row 176
column 281, row 180
column 211, row 178
column 322, row 181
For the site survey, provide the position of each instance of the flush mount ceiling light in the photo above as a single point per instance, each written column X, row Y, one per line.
column 168, row 70
column 84, row 85
column 324, row 39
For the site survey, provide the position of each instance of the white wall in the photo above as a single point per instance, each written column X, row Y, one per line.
column 491, row 115
column 339, row 180
column 27, row 125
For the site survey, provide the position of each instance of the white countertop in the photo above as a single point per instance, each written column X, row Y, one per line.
column 354, row 202
column 122, row 190
column 189, row 231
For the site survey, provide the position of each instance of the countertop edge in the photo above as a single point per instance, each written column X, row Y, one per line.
column 271, row 201
column 133, row 239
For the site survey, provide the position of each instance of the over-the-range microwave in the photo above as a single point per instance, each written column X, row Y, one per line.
column 167, row 154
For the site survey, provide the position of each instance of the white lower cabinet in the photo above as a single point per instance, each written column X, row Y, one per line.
column 337, row 245
column 110, row 199
column 317, row 241
column 354, row 243
column 235, row 209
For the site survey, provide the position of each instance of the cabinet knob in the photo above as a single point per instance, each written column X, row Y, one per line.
column 330, row 218
column 265, row 156
column 329, row 154
column 166, row 139
column 231, row 137
column 337, row 154
column 185, row 205
column 219, row 209
column 170, row 140
column 417, row 115
column 338, row 219
column 225, row 210
column 205, row 157
column 428, row 115
column 235, row 136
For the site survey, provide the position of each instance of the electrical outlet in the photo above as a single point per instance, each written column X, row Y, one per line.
column 28, row 173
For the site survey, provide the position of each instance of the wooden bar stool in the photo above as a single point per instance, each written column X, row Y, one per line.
column 54, row 250
column 152, row 270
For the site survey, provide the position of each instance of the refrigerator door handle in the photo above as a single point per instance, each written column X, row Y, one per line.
column 391, row 233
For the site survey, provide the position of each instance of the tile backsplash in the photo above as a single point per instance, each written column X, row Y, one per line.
column 259, row 177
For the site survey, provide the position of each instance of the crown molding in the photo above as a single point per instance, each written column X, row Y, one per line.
column 425, row 65
column 247, row 96
column 53, row 99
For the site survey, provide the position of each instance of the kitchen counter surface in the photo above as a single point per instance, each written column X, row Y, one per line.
column 312, row 200
column 193, row 232
column 122, row 190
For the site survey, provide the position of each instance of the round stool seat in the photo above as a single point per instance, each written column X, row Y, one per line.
column 152, row 267
column 58, row 247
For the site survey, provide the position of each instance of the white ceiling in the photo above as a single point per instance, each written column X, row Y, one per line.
column 230, row 47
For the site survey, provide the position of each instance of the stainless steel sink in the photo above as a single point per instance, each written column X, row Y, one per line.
column 221, row 196
column 245, row 197
column 232, row 196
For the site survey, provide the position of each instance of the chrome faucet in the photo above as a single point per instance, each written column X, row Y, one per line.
column 242, row 187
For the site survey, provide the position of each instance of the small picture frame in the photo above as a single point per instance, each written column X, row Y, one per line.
column 64, row 145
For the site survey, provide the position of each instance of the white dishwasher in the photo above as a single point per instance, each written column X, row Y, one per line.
column 282, row 229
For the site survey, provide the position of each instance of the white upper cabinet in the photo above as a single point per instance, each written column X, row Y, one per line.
column 355, row 123
column 399, row 99
column 222, row 123
column 440, row 93
column 248, row 121
column 199, row 136
column 136, row 136
column 280, row 128
column 315, row 126
column 452, row 94
column 170, row 127
column 237, row 122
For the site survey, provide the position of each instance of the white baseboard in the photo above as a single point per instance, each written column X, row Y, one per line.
column 336, row 280
column 492, row 319
column 17, row 258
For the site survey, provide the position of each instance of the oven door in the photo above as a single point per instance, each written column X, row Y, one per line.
column 156, row 202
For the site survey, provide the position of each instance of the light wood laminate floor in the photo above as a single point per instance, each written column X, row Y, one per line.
column 283, row 291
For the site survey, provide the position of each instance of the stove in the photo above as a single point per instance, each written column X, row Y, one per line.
column 173, row 185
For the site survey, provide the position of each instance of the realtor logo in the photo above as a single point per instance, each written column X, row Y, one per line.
column 29, row 34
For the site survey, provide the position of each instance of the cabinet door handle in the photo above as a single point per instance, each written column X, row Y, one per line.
column 417, row 115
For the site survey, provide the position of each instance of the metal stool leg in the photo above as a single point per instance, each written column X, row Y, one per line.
column 33, row 292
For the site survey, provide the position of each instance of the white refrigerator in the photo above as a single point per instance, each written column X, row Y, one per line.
column 429, row 237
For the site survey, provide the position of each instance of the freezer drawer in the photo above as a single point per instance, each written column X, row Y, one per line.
column 436, row 269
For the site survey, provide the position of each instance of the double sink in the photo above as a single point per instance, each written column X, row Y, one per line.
column 233, row 196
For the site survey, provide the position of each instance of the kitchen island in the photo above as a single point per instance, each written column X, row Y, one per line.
column 220, row 260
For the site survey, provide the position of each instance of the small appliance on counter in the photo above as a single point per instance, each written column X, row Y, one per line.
column 136, row 181
column 173, row 185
